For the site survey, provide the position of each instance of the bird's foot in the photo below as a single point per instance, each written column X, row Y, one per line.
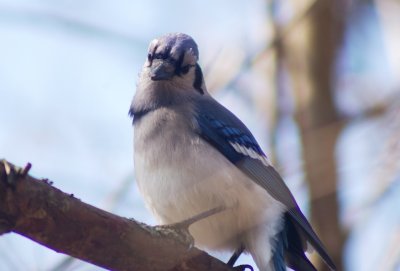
column 180, row 230
column 235, row 256
column 177, row 232
column 243, row 267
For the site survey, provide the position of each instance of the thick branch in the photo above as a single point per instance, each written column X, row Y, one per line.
column 59, row 221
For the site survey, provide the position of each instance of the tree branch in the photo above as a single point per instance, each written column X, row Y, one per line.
column 37, row 210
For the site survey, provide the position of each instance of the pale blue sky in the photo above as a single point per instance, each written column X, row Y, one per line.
column 67, row 75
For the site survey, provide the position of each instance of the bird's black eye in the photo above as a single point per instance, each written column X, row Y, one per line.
column 149, row 57
column 185, row 69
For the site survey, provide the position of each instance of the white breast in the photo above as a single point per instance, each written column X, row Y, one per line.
column 180, row 175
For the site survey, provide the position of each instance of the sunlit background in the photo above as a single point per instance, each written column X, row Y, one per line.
column 318, row 83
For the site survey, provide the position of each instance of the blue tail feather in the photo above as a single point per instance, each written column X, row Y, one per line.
column 289, row 249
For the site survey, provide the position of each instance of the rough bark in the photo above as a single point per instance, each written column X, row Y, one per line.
column 37, row 210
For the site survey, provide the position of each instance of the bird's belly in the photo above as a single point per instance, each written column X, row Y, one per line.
column 182, row 183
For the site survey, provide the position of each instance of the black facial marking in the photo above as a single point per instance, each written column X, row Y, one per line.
column 138, row 114
column 198, row 80
column 151, row 55
column 182, row 45
column 164, row 54
column 178, row 65
column 185, row 69
column 158, row 56
column 181, row 69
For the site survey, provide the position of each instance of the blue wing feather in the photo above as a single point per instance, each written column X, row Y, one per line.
column 220, row 128
column 222, row 135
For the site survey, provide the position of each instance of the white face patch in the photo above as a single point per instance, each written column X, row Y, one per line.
column 250, row 152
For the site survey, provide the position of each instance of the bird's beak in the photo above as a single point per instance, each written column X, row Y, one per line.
column 161, row 70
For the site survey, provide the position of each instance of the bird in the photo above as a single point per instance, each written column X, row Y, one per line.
column 191, row 154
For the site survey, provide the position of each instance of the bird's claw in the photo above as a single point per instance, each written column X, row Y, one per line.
column 180, row 230
column 243, row 267
column 177, row 231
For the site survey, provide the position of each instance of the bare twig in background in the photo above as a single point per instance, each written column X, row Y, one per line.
column 387, row 171
column 252, row 60
column 285, row 31
column 391, row 259
column 311, row 54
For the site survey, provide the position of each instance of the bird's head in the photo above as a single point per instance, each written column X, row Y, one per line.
column 172, row 61
column 170, row 75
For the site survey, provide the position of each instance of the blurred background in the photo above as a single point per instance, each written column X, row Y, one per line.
column 317, row 81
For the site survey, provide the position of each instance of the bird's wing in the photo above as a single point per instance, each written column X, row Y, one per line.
column 225, row 132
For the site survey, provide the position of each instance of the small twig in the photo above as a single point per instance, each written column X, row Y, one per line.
column 187, row 222
column 7, row 166
column 25, row 171
column 13, row 172
column 252, row 60
column 11, row 175
column 279, row 37
column 180, row 230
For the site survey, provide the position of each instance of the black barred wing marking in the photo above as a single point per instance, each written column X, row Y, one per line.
column 232, row 138
column 242, row 142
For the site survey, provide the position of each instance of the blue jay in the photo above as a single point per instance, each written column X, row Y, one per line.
column 193, row 155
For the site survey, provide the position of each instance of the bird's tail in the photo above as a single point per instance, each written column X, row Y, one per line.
column 289, row 249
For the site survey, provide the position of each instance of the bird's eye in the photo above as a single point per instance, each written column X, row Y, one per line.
column 149, row 57
column 185, row 69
